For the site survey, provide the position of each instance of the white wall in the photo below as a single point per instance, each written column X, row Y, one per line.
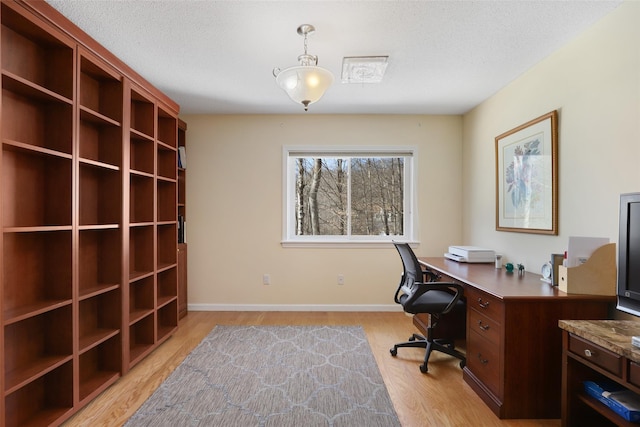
column 234, row 209
column 234, row 182
column 594, row 83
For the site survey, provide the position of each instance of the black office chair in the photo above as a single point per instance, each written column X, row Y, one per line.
column 418, row 292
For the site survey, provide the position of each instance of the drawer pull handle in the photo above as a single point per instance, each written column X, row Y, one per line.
column 589, row 353
column 483, row 304
column 483, row 327
column 483, row 361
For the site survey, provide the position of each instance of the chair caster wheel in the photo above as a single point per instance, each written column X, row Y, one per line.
column 394, row 352
column 423, row 368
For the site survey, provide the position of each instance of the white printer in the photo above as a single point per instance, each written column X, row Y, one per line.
column 472, row 254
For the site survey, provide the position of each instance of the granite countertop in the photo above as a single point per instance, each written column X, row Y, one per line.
column 614, row 335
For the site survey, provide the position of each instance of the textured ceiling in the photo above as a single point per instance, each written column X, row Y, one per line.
column 445, row 57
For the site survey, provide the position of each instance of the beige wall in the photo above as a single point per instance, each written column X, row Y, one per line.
column 234, row 210
column 234, row 190
column 594, row 83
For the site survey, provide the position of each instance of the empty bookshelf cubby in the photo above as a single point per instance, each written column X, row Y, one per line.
column 101, row 91
column 141, row 299
column 100, row 366
column 141, row 252
column 37, row 273
column 167, row 245
column 35, row 119
column 100, row 195
column 100, row 142
column 141, row 337
column 167, row 201
column 141, row 198
column 167, row 160
column 42, row 401
column 100, row 342
column 101, row 318
column 99, row 261
column 141, row 153
column 167, row 319
column 37, row 53
column 167, row 286
column 36, row 189
column 142, row 114
column 49, row 345
column 167, row 128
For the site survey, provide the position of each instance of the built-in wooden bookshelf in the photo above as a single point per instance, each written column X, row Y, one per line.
column 182, row 218
column 89, row 192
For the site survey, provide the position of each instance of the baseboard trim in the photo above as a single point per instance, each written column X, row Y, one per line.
column 293, row 307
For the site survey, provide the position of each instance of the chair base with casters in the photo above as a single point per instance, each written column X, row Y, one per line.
column 430, row 344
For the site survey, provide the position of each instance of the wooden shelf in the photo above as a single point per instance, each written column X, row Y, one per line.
column 95, row 338
column 35, row 369
column 21, row 86
column 34, row 309
column 92, row 291
column 139, row 275
column 16, row 146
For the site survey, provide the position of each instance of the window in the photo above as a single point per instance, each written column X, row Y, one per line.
column 349, row 195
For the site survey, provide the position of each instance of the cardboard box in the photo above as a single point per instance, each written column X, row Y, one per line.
column 597, row 276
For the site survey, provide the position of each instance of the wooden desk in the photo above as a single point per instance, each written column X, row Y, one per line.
column 514, row 345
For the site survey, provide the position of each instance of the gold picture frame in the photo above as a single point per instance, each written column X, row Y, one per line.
column 527, row 177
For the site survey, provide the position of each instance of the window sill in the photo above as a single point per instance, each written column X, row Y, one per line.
column 343, row 244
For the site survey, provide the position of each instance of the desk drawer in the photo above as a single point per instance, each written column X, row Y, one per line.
column 595, row 354
column 485, row 326
column 634, row 373
column 483, row 359
column 484, row 303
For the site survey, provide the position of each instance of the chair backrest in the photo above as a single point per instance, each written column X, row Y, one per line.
column 412, row 270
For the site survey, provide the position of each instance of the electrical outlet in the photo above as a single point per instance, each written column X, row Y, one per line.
column 340, row 279
column 266, row 279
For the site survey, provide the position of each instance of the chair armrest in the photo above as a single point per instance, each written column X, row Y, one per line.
column 428, row 286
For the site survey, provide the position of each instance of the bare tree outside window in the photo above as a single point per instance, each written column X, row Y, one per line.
column 358, row 196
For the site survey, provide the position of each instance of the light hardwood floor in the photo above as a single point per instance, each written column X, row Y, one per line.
column 439, row 398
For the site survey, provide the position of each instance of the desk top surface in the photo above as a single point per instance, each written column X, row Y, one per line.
column 499, row 283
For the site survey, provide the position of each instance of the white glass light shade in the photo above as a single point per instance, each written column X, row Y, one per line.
column 304, row 84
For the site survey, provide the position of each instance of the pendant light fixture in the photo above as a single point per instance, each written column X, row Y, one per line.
column 305, row 83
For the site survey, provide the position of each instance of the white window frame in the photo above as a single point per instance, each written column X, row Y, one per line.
column 290, row 153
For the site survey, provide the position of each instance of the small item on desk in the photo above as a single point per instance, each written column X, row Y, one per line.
column 470, row 254
column 498, row 261
column 520, row 269
column 635, row 341
column 509, row 267
column 546, row 272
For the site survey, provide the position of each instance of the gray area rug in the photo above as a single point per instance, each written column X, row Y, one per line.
column 271, row 376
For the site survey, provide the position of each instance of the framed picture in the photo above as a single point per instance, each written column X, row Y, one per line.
column 527, row 177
